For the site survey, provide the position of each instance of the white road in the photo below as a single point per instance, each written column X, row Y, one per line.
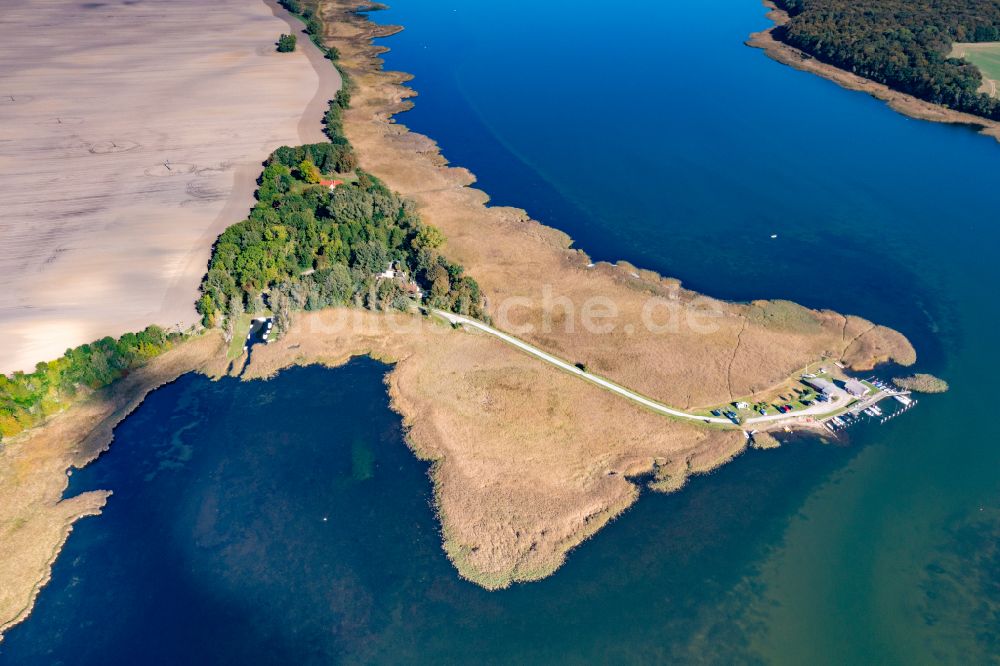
column 817, row 410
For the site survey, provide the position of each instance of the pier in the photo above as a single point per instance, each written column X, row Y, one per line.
column 869, row 406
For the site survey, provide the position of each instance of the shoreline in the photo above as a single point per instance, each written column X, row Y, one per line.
column 34, row 467
column 520, row 543
column 412, row 164
column 907, row 105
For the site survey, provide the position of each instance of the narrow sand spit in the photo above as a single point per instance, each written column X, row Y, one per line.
column 131, row 134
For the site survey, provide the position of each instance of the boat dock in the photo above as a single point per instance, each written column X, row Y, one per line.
column 260, row 330
column 869, row 406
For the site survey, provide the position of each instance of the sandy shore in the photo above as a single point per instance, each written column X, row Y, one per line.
column 901, row 102
column 132, row 135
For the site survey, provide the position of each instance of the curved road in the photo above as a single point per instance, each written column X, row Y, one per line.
column 819, row 409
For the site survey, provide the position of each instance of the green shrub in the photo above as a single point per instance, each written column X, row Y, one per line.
column 286, row 43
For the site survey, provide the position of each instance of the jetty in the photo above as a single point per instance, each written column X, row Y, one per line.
column 869, row 406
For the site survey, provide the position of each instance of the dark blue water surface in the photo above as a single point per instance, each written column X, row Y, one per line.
column 649, row 133
column 286, row 522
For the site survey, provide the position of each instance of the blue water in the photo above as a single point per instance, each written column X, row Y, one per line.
column 648, row 133
column 286, row 522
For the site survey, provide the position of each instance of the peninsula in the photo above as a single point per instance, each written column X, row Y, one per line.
column 351, row 243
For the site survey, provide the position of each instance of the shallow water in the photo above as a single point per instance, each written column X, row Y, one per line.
column 882, row 548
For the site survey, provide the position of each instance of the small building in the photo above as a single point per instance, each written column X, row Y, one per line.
column 332, row 184
column 824, row 386
column 391, row 272
column 395, row 273
column 856, row 388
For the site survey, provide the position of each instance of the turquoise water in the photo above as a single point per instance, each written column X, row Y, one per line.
column 648, row 133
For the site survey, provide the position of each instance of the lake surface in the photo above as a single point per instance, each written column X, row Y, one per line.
column 655, row 136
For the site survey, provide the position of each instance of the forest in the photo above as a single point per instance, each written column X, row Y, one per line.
column 901, row 43
column 307, row 245
column 28, row 398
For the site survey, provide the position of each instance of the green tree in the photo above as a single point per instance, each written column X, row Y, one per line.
column 371, row 258
column 904, row 44
column 286, row 43
column 428, row 237
column 308, row 171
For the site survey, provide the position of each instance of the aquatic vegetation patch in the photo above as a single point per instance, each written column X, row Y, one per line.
column 921, row 383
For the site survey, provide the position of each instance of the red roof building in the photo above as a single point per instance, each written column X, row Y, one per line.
column 332, row 184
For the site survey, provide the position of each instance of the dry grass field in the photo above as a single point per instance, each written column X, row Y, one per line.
column 132, row 135
column 699, row 351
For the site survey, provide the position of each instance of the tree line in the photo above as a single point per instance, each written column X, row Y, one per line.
column 28, row 398
column 901, row 43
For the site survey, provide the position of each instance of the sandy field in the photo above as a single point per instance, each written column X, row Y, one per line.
column 131, row 135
